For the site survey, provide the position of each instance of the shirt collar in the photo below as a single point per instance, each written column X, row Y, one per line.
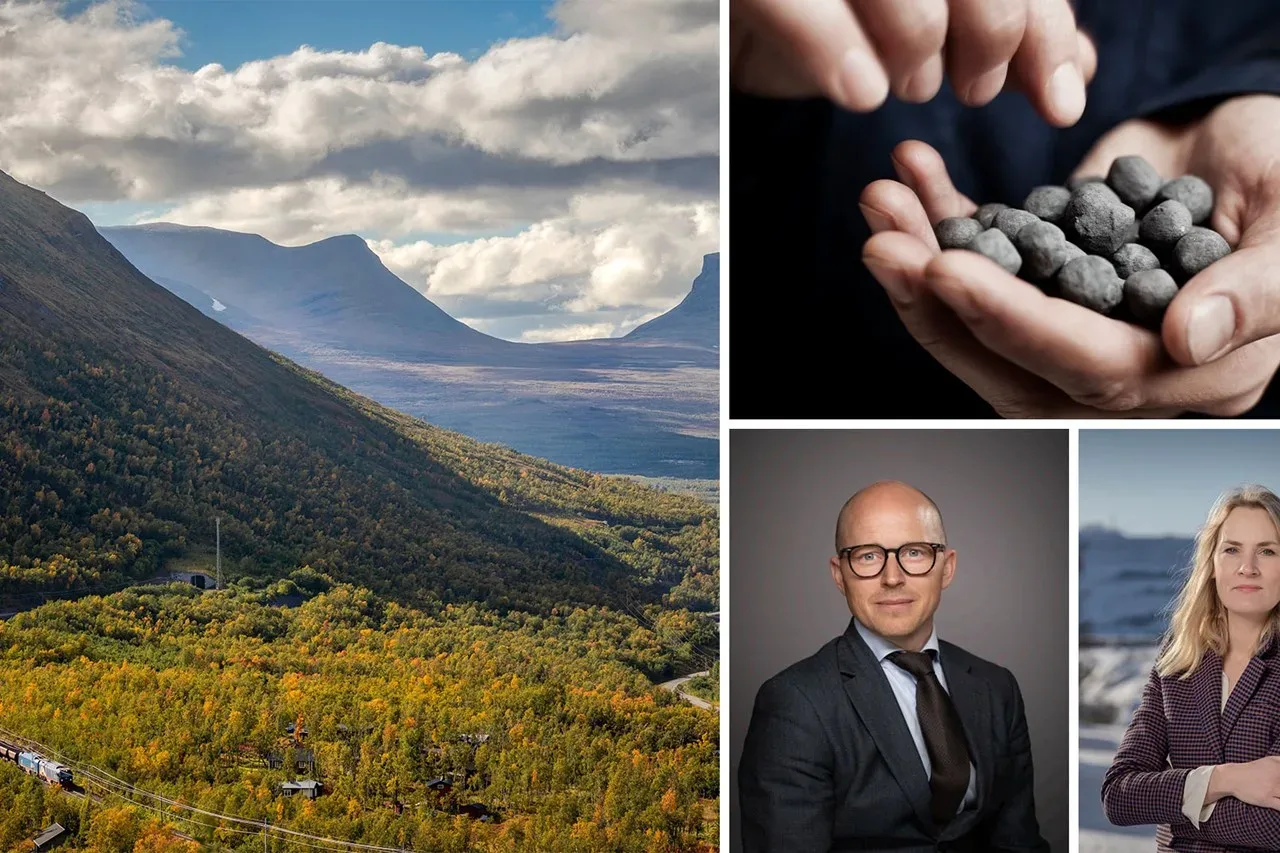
column 882, row 648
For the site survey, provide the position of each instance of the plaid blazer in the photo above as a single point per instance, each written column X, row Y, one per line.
column 1176, row 728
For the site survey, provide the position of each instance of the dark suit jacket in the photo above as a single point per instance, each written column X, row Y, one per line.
column 1177, row 728
column 804, row 304
column 829, row 763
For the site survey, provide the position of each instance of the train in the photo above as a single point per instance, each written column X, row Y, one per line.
column 37, row 765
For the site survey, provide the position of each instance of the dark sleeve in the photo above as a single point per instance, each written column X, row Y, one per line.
column 1140, row 787
column 1014, row 826
column 1252, row 67
column 786, row 785
column 1239, row 824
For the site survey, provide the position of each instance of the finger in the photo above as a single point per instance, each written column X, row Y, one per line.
column 1086, row 55
column 1230, row 304
column 1046, row 66
column 921, row 168
column 1162, row 146
column 1096, row 361
column 761, row 66
column 898, row 260
column 982, row 36
column 828, row 41
column 908, row 35
column 891, row 206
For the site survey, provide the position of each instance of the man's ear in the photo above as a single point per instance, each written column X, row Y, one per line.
column 837, row 575
column 948, row 567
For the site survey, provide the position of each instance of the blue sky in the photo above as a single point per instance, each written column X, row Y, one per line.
column 232, row 32
column 1163, row 481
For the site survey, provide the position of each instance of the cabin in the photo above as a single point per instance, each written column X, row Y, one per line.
column 309, row 788
column 478, row 811
column 304, row 761
column 290, row 728
column 52, row 835
column 440, row 785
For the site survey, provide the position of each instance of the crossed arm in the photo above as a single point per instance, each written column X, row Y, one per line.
column 1141, row 788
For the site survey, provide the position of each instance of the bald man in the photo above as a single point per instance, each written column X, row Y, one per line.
column 889, row 738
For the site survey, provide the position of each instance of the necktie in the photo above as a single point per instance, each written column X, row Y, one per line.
column 943, row 736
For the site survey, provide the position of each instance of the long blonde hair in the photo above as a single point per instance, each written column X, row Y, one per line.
column 1199, row 621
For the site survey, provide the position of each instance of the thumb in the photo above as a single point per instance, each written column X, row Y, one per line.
column 1231, row 303
column 1163, row 147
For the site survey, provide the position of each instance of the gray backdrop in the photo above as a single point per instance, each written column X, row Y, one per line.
column 1004, row 502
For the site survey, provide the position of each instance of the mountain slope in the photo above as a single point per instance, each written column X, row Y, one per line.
column 129, row 421
column 334, row 292
column 645, row 406
column 696, row 320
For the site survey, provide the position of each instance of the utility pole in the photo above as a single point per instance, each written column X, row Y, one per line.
column 218, row 584
column 265, row 823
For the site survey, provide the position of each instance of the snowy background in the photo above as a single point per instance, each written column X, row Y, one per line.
column 1126, row 584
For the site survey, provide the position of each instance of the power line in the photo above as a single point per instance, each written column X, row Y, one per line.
column 116, row 785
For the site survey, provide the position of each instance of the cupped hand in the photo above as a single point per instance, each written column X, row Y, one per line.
column 1032, row 355
column 855, row 51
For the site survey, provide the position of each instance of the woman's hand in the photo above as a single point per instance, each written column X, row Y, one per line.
column 1031, row 355
column 855, row 51
column 1256, row 782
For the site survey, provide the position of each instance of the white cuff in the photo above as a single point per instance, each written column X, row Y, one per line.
column 1193, row 794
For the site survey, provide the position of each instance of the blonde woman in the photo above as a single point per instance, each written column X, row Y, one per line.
column 1201, row 757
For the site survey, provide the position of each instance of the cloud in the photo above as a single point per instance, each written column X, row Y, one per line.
column 573, row 332
column 91, row 110
column 590, row 152
column 609, row 252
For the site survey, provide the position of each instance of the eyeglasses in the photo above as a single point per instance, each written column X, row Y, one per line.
column 868, row 561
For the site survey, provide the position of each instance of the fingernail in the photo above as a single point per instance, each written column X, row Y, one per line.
column 1066, row 92
column 875, row 219
column 922, row 85
column 1211, row 327
column 985, row 88
column 890, row 279
column 861, row 81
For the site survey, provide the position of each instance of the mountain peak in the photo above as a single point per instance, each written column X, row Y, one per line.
column 710, row 274
column 696, row 320
column 343, row 243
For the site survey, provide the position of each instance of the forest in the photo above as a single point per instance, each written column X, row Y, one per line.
column 189, row 694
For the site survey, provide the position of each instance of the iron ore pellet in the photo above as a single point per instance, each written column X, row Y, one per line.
column 1047, row 202
column 956, row 232
column 1134, row 257
column 1197, row 250
column 1091, row 281
column 994, row 244
column 1192, row 192
column 1135, row 181
column 1147, row 293
column 1012, row 220
column 987, row 213
column 1166, row 224
column 1098, row 219
column 1120, row 246
column 1076, row 183
column 1043, row 247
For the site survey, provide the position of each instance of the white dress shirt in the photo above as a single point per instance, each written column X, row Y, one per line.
column 903, row 684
